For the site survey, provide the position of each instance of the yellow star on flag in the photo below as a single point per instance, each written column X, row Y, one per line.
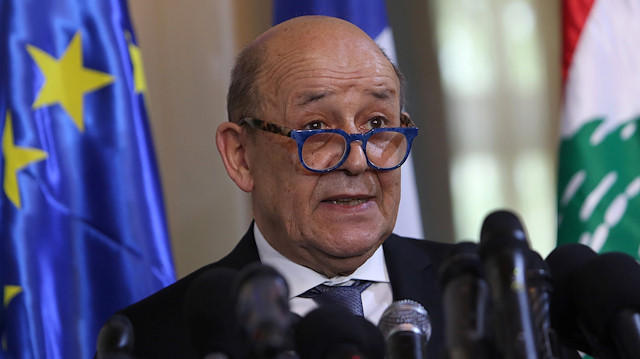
column 66, row 80
column 10, row 291
column 15, row 159
column 140, row 83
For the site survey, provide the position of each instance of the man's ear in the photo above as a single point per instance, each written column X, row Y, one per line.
column 406, row 117
column 231, row 144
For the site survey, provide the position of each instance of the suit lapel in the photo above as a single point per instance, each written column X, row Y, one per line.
column 407, row 267
column 245, row 252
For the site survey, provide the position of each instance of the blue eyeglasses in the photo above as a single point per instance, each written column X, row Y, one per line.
column 325, row 150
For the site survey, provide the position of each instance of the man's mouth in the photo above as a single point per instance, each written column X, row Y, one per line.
column 348, row 201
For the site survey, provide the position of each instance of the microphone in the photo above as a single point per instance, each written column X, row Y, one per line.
column 262, row 308
column 465, row 303
column 503, row 246
column 609, row 310
column 333, row 332
column 540, row 289
column 115, row 339
column 625, row 333
column 406, row 327
column 210, row 315
column 564, row 263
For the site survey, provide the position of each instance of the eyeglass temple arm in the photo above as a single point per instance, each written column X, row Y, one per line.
column 267, row 126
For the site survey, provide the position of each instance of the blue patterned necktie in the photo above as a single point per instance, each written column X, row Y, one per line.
column 346, row 296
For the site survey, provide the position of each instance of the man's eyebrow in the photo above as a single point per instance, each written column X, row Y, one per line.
column 383, row 94
column 306, row 98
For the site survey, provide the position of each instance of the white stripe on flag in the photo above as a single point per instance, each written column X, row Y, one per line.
column 610, row 42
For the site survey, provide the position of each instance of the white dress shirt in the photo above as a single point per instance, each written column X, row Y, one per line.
column 375, row 299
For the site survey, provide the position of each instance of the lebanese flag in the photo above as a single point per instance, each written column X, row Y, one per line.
column 599, row 164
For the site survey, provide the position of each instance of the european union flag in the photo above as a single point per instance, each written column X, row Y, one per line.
column 82, row 224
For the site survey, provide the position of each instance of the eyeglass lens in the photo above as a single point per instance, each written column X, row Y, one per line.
column 325, row 150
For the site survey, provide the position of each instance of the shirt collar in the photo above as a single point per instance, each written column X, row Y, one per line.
column 300, row 278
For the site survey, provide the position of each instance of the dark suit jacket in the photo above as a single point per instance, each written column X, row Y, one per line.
column 161, row 332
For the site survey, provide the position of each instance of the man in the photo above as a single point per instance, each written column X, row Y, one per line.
column 324, row 209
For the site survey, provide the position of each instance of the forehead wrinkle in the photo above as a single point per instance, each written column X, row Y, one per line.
column 275, row 72
column 309, row 96
column 329, row 81
column 293, row 65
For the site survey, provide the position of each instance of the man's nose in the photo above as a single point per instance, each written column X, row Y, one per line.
column 356, row 162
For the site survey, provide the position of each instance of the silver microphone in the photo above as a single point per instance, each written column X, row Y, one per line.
column 406, row 327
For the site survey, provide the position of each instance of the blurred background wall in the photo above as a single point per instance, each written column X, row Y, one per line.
column 484, row 77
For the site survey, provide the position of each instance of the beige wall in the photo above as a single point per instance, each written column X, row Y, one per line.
column 188, row 48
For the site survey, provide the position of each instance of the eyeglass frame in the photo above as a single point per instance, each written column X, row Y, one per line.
column 410, row 131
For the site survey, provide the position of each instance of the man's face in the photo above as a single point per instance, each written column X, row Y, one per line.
column 330, row 222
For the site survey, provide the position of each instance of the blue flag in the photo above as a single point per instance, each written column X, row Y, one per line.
column 82, row 224
column 371, row 17
column 368, row 15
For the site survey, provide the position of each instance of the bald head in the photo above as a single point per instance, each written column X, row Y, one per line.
column 305, row 37
column 315, row 33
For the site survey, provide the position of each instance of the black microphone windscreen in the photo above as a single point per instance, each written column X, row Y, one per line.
column 502, row 228
column 466, row 303
column 115, row 336
column 503, row 249
column 535, row 263
column 463, row 258
column 567, row 258
column 564, row 263
column 606, row 285
column 334, row 332
column 540, row 290
column 210, row 314
column 261, row 297
column 538, row 272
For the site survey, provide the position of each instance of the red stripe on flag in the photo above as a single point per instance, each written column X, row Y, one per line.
column 574, row 16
